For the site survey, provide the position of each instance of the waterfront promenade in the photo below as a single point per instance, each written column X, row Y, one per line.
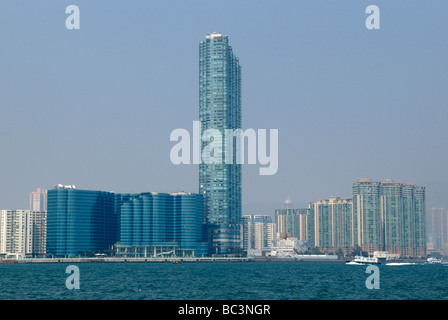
column 310, row 258
column 122, row 260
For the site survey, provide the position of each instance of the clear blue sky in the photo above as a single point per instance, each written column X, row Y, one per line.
column 95, row 107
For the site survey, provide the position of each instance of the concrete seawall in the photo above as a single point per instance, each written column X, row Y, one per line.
column 161, row 260
column 120, row 260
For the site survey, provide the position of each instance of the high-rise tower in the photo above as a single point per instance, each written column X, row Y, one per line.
column 367, row 215
column 390, row 216
column 220, row 109
column 38, row 200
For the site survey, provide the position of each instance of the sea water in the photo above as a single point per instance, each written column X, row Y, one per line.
column 223, row 281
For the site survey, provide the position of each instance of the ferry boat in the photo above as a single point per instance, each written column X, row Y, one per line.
column 433, row 260
column 365, row 260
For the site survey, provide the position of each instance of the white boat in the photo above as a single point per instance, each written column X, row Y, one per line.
column 365, row 260
column 433, row 260
column 352, row 263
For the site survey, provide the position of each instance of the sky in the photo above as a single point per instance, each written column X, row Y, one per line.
column 95, row 107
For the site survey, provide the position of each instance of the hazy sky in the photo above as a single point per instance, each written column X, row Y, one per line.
column 95, row 107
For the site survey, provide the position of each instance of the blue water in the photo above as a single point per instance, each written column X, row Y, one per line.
column 223, row 280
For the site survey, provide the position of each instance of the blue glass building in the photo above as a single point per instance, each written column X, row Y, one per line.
column 162, row 224
column 139, row 225
column 220, row 109
column 80, row 220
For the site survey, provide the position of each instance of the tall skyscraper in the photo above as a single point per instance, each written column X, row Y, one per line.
column 38, row 200
column 334, row 224
column 367, row 215
column 390, row 216
column 414, row 216
column 382, row 216
column 437, row 230
column 220, row 109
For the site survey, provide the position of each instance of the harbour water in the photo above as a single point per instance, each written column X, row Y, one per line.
column 223, row 281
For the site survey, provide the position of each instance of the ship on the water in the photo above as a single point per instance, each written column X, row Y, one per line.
column 366, row 260
column 434, row 261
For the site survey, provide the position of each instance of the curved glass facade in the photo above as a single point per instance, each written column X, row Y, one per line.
column 80, row 220
column 163, row 220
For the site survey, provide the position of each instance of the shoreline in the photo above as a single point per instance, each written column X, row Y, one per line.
column 159, row 260
column 176, row 260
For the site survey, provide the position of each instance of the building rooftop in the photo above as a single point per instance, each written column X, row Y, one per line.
column 215, row 35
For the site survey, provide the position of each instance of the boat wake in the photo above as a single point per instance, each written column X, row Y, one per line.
column 399, row 264
column 353, row 263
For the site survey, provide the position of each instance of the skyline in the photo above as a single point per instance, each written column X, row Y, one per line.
column 382, row 216
column 95, row 107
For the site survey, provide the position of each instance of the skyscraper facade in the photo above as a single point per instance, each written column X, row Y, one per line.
column 220, row 109
column 288, row 223
column 382, row 216
column 367, row 215
column 80, row 220
column 334, row 224
column 162, row 224
column 39, row 233
column 414, row 221
column 437, row 230
column 257, row 232
column 390, row 216
column 38, row 200
column 147, row 224
column 22, row 232
column 296, row 223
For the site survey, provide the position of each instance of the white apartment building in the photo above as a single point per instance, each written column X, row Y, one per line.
column 22, row 233
column 257, row 232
